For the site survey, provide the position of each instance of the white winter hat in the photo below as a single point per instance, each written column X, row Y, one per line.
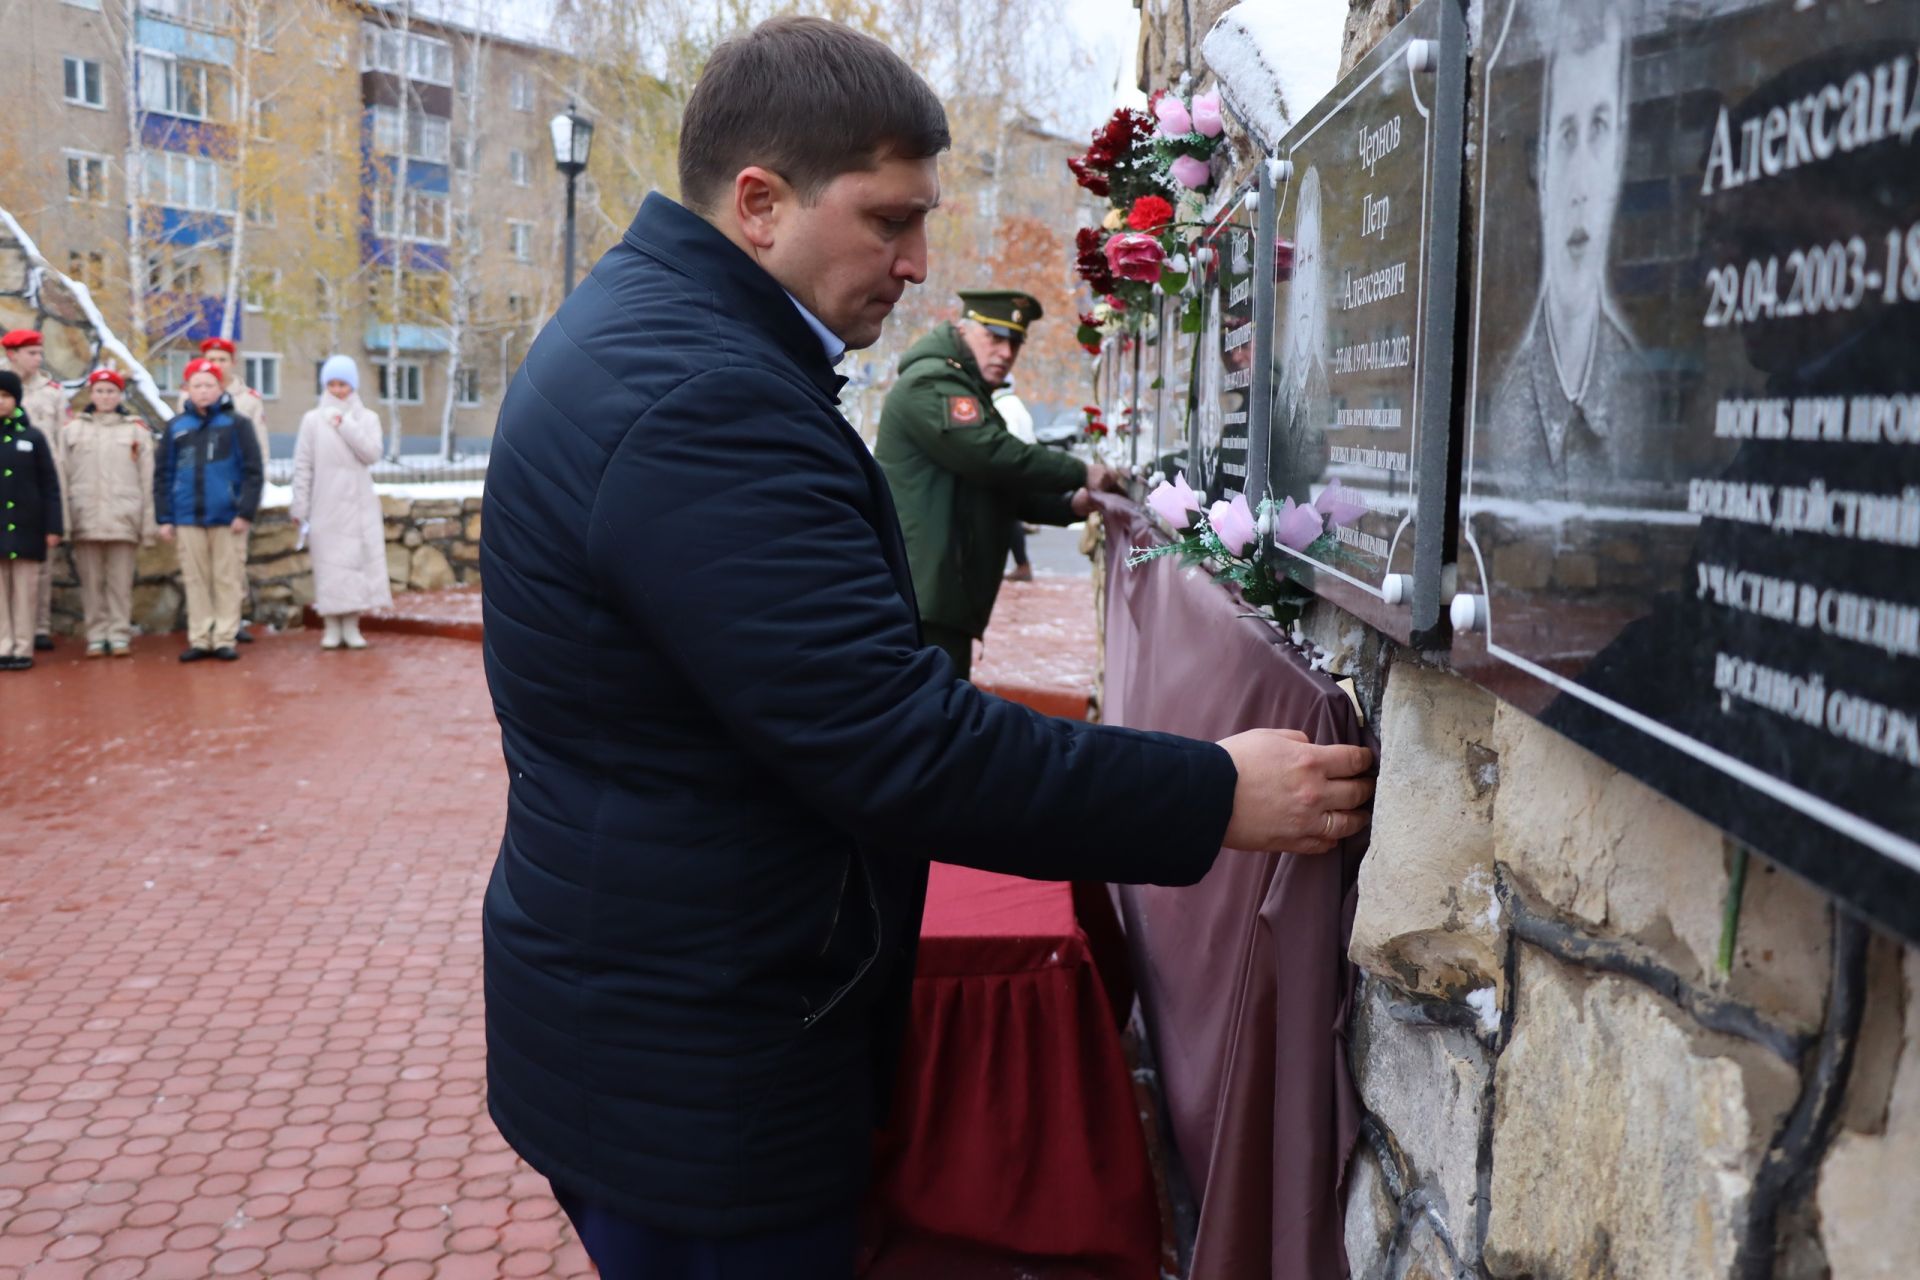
column 340, row 369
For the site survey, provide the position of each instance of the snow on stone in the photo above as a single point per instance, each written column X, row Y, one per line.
column 1275, row 59
column 1486, row 1009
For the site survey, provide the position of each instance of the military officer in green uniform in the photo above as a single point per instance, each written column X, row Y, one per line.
column 960, row 479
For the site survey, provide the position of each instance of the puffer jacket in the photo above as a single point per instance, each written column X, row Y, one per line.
column 208, row 470
column 108, row 464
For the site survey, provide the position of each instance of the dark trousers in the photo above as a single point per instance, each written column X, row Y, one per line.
column 958, row 644
column 623, row 1249
column 1017, row 543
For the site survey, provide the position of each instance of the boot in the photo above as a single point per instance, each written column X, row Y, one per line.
column 350, row 631
column 330, row 638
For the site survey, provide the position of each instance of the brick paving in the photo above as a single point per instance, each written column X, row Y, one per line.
column 240, row 1011
column 240, row 1021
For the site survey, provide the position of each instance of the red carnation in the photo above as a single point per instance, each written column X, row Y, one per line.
column 1149, row 214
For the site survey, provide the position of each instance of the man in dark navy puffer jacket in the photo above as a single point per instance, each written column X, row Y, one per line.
column 729, row 756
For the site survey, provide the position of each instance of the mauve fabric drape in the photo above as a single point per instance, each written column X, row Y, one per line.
column 1243, row 978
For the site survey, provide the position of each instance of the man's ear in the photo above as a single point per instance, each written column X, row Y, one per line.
column 759, row 197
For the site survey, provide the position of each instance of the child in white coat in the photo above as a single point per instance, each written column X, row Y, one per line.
column 333, row 495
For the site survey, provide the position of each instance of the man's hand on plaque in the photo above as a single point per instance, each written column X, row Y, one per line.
column 1101, row 477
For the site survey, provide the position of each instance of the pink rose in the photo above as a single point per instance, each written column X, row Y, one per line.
column 1175, row 503
column 1132, row 255
column 1233, row 522
column 1191, row 173
column 1297, row 526
column 1206, row 114
column 1172, row 113
column 1339, row 509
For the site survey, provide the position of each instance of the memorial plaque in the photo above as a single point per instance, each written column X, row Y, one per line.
column 1223, row 399
column 1367, row 189
column 1690, row 516
column 1177, row 373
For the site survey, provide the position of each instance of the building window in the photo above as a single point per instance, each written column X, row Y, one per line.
column 89, row 269
column 428, row 137
column 520, row 90
column 260, row 209
column 84, row 87
column 462, row 151
column 168, row 366
column 86, row 177
column 260, row 284
column 190, row 90
column 466, row 388
column 261, row 371
column 426, row 216
column 517, row 166
column 401, row 377
column 194, row 183
column 200, row 13
column 398, row 53
column 520, row 240
column 85, row 4
column 263, row 122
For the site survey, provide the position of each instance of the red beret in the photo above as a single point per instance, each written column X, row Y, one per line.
column 218, row 344
column 107, row 375
column 22, row 338
column 199, row 366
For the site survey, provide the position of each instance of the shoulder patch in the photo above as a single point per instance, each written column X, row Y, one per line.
column 963, row 411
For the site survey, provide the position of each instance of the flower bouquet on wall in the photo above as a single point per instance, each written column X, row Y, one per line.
column 1224, row 539
column 1154, row 167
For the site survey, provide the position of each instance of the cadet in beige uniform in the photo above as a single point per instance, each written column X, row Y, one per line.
column 107, row 459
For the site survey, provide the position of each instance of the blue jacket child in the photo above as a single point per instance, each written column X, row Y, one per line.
column 207, row 470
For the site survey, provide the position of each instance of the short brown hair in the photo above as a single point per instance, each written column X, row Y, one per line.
column 808, row 99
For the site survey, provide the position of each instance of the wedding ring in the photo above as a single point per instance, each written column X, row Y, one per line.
column 1327, row 823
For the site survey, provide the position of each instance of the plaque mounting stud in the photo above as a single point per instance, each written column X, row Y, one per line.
column 1468, row 613
column 1397, row 588
column 1423, row 55
column 1280, row 170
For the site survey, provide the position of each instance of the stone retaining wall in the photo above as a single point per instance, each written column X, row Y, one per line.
column 431, row 543
column 1560, row 1081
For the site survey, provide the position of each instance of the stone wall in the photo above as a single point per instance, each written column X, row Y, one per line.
column 431, row 543
column 1561, row 1080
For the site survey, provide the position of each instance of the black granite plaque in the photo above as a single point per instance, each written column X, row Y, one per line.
column 1367, row 188
column 1691, row 495
column 1223, row 385
column 1176, row 354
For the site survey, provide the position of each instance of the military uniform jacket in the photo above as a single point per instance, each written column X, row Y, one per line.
column 30, row 506
column 960, row 479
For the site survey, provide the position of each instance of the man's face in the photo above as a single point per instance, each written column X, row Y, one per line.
column 203, row 389
column 221, row 360
column 27, row 360
column 106, row 397
column 993, row 351
column 1303, row 291
column 850, row 255
column 1580, row 170
column 7, row 403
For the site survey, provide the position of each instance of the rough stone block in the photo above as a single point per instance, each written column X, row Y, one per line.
column 1576, row 572
column 395, row 508
column 472, row 505
column 1427, row 1084
column 156, row 560
column 282, row 567
column 1605, row 848
column 1625, row 1139
column 1370, row 1216
column 429, row 570
column 436, row 508
column 472, row 533
column 463, row 553
column 1522, row 566
column 399, row 564
column 1427, row 917
column 270, row 540
column 394, row 530
column 412, row 537
column 1869, row 1192
column 440, row 530
column 157, row 606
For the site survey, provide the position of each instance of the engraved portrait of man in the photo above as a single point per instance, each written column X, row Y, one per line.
column 1571, row 415
column 1301, row 403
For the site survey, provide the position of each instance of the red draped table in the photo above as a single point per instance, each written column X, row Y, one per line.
column 1015, row 1125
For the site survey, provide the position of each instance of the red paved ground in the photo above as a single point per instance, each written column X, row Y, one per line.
column 240, row 1021
column 240, row 1011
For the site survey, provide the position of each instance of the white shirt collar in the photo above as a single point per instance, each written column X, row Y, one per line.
column 829, row 341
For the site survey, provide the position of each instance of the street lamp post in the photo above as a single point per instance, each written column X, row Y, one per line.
column 572, row 137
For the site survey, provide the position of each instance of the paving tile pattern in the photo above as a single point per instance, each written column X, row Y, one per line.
column 240, row 1010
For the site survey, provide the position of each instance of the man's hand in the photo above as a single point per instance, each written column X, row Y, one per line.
column 1294, row 797
column 240, row 525
column 53, row 540
column 1082, row 503
column 1099, row 477
column 164, row 533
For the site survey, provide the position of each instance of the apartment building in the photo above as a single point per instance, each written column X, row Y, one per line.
column 381, row 171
